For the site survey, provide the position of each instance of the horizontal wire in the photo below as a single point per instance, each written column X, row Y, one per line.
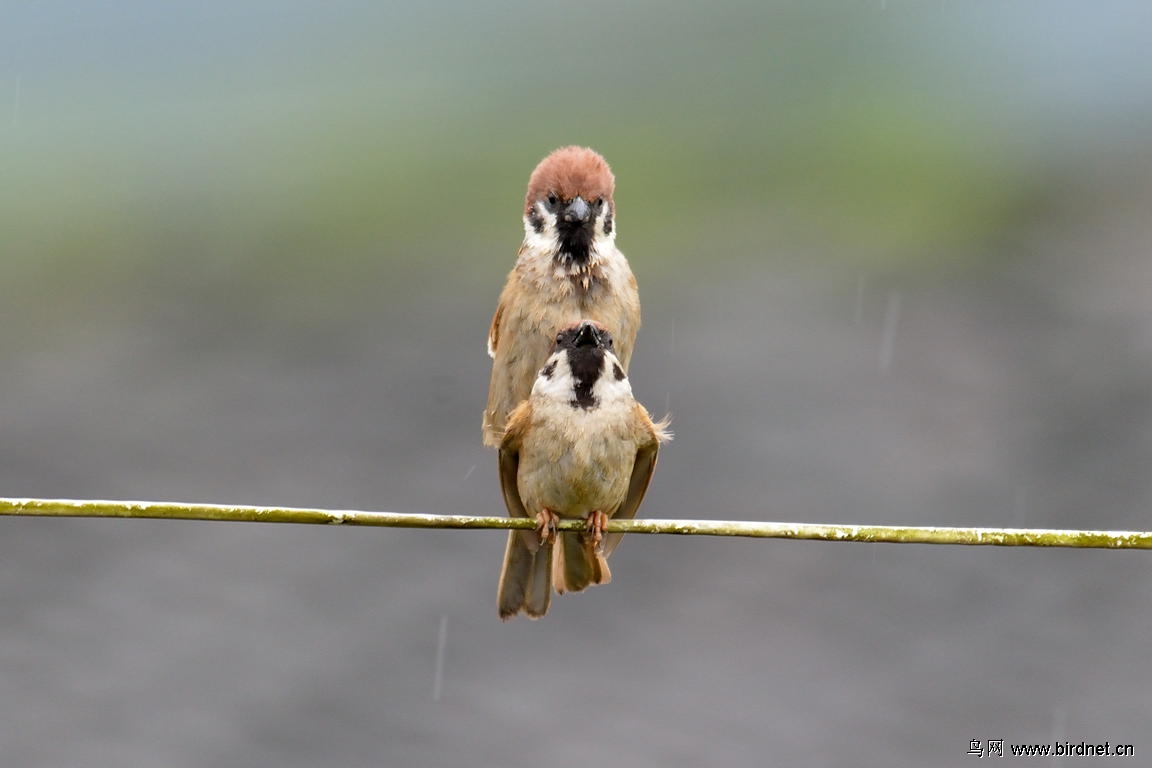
column 894, row 534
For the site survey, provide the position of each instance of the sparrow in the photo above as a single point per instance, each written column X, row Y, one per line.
column 579, row 447
column 567, row 269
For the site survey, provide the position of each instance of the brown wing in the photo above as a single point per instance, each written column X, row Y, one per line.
column 494, row 330
column 652, row 434
column 637, row 486
column 526, row 578
column 510, row 468
column 492, row 425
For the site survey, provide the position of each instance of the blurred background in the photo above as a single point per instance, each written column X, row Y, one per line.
column 894, row 258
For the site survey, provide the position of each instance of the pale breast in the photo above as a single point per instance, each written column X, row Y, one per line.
column 575, row 461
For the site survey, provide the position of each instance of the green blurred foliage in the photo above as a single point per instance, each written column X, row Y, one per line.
column 328, row 152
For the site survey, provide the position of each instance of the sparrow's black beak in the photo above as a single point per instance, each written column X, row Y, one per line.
column 577, row 211
column 587, row 335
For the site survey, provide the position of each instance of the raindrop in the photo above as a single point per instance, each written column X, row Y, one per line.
column 888, row 340
column 471, row 469
column 861, row 287
column 441, row 641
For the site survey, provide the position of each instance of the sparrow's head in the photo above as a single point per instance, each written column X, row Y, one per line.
column 582, row 369
column 569, row 204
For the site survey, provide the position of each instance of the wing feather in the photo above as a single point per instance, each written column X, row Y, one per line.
column 494, row 330
column 642, row 470
column 509, row 453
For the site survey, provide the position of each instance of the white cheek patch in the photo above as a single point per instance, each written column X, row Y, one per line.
column 608, row 388
column 558, row 385
column 547, row 240
column 603, row 217
column 603, row 244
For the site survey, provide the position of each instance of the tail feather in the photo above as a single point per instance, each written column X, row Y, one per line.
column 539, row 595
column 578, row 565
column 525, row 581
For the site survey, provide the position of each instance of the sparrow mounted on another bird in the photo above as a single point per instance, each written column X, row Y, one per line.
column 579, row 447
column 568, row 269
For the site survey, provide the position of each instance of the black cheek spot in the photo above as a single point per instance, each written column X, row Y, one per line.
column 618, row 372
column 608, row 224
column 536, row 220
column 549, row 370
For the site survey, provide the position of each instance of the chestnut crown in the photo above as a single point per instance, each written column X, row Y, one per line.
column 570, row 173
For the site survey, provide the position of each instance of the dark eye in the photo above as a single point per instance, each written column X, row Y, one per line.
column 599, row 202
column 552, row 200
column 559, row 338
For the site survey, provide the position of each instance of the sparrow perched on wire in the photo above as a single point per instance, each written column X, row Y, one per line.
column 579, row 447
column 567, row 269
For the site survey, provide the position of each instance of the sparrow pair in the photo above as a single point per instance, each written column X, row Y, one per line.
column 573, row 443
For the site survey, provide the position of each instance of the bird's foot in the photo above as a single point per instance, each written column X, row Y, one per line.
column 595, row 528
column 546, row 525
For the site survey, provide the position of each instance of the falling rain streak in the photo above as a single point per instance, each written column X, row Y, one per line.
column 861, row 286
column 888, row 339
column 441, row 642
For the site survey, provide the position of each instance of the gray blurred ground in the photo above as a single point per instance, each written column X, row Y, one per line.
column 1000, row 374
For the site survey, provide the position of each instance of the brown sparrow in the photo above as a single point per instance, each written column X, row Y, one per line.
column 568, row 269
column 579, row 447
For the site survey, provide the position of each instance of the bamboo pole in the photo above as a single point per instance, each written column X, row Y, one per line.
column 895, row 534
